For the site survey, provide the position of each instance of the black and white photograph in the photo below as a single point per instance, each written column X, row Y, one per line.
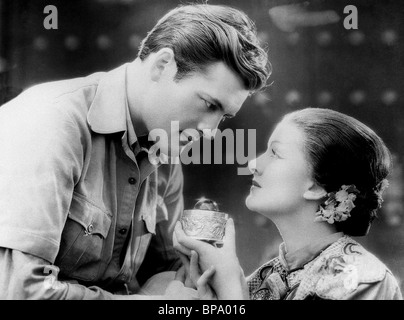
column 215, row 150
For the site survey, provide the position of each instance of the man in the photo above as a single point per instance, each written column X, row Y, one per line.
column 84, row 214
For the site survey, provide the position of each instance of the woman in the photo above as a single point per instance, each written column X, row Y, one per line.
column 320, row 181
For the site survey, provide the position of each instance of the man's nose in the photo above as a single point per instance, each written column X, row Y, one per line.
column 209, row 126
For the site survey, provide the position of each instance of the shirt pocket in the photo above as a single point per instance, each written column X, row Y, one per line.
column 83, row 240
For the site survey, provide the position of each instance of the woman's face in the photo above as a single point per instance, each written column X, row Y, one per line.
column 281, row 174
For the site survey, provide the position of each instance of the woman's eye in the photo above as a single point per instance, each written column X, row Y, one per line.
column 273, row 153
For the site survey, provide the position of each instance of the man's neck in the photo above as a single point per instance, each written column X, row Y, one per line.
column 135, row 94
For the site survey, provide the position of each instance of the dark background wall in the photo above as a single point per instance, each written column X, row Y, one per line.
column 359, row 72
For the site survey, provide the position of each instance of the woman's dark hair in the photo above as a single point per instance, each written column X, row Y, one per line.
column 201, row 34
column 344, row 151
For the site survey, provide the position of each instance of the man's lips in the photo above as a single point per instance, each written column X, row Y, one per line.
column 256, row 184
column 184, row 142
column 186, row 137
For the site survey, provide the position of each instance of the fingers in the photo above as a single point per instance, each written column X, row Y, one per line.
column 194, row 273
column 229, row 239
column 189, row 243
column 185, row 262
column 205, row 277
column 179, row 247
column 202, row 285
column 180, row 274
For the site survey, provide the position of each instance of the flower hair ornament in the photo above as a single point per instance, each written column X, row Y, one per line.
column 338, row 205
column 383, row 185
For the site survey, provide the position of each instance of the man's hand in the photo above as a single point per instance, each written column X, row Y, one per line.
column 201, row 281
column 176, row 290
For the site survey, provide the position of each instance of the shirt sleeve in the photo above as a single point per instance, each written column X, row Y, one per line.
column 27, row 277
column 386, row 289
column 161, row 255
column 41, row 161
column 24, row 276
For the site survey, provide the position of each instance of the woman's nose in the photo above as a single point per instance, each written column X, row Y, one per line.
column 257, row 165
column 252, row 165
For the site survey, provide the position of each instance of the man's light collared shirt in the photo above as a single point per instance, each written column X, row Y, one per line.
column 77, row 192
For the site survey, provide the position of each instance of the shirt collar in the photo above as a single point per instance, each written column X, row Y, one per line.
column 109, row 110
column 297, row 259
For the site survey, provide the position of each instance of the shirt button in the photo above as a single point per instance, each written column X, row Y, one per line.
column 132, row 180
column 122, row 231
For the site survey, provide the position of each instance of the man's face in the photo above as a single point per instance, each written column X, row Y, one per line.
column 199, row 101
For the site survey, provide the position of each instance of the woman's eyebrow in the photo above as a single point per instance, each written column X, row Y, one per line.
column 274, row 142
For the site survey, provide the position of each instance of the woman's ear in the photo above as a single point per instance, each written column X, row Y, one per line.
column 163, row 63
column 315, row 192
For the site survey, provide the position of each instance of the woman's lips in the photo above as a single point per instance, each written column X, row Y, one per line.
column 256, row 184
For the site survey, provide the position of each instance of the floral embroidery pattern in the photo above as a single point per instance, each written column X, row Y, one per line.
column 267, row 283
column 339, row 275
column 338, row 205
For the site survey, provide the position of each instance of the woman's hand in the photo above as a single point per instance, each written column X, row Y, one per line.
column 178, row 290
column 228, row 280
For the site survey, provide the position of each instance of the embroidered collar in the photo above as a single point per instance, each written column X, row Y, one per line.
column 292, row 261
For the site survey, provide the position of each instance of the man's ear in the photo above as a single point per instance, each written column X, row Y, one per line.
column 315, row 192
column 163, row 63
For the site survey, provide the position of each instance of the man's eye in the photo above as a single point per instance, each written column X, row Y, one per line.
column 211, row 106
